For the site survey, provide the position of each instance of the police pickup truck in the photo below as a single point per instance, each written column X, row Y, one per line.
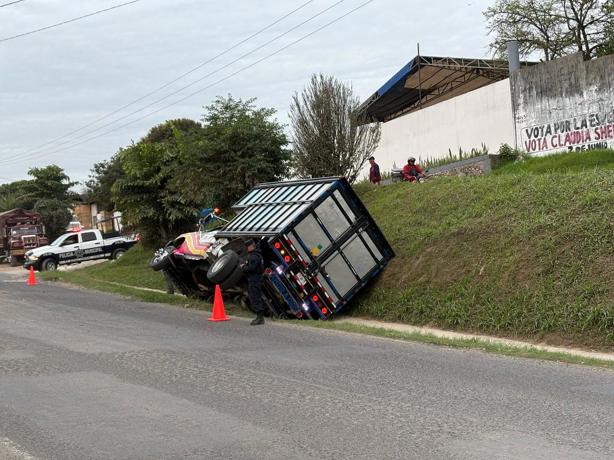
column 76, row 247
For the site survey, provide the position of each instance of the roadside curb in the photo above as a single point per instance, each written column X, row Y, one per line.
column 439, row 333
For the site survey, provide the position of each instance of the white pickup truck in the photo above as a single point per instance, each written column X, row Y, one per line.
column 76, row 247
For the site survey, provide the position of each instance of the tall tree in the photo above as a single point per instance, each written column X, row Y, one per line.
column 51, row 182
column 56, row 216
column 537, row 25
column 166, row 131
column 241, row 145
column 588, row 22
column 98, row 188
column 16, row 195
column 552, row 27
column 326, row 138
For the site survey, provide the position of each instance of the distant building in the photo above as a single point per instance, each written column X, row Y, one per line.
column 434, row 106
column 90, row 216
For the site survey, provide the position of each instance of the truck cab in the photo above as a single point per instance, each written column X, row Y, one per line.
column 20, row 231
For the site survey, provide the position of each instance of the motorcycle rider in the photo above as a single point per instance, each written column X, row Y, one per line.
column 412, row 172
column 254, row 269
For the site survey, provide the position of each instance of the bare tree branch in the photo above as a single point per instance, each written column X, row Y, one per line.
column 327, row 141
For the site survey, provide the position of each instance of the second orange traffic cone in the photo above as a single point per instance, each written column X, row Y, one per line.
column 218, row 314
column 32, row 277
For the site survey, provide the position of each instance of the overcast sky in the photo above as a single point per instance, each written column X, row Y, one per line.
column 59, row 80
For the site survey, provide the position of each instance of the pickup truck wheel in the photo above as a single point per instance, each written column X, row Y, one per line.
column 232, row 279
column 118, row 253
column 223, row 267
column 49, row 265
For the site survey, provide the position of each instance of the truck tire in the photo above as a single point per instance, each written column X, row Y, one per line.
column 223, row 267
column 49, row 265
column 160, row 261
column 232, row 279
column 118, row 253
column 14, row 261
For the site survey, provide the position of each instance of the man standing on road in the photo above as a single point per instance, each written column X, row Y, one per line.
column 254, row 269
column 374, row 175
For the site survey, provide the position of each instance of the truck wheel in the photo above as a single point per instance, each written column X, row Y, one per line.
column 232, row 279
column 160, row 261
column 14, row 261
column 118, row 253
column 223, row 267
column 49, row 265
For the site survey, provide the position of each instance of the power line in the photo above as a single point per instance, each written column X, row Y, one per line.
column 66, row 22
column 36, row 153
column 11, row 3
column 216, row 82
column 165, row 85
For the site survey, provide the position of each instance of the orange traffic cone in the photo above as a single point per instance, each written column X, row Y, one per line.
column 32, row 277
column 219, row 314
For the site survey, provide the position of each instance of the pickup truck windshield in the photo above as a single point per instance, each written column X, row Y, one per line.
column 57, row 241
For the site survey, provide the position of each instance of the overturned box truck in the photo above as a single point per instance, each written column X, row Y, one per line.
column 318, row 241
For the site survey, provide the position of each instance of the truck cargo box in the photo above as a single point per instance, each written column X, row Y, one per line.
column 320, row 243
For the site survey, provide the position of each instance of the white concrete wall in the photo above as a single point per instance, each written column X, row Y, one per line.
column 483, row 116
column 565, row 105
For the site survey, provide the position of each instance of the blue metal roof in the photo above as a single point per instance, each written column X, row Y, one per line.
column 398, row 77
column 426, row 80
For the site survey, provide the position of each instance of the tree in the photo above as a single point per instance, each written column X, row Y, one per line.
column 15, row 195
column 152, row 192
column 166, row 131
column 588, row 21
column 241, row 146
column 51, row 182
column 103, row 176
column 56, row 216
column 537, row 25
column 327, row 140
column 552, row 27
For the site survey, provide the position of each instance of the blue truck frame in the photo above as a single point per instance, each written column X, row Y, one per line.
column 320, row 244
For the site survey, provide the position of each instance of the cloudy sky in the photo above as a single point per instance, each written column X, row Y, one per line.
column 64, row 79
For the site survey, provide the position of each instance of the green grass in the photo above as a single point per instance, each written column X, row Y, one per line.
column 132, row 269
column 517, row 255
column 562, row 163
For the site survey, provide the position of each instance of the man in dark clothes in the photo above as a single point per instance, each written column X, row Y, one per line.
column 374, row 174
column 254, row 269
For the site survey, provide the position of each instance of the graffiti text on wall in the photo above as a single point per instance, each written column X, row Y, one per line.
column 588, row 132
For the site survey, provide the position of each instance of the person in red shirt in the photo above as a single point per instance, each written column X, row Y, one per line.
column 374, row 175
column 412, row 172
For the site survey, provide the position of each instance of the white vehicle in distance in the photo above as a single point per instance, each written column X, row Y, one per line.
column 78, row 246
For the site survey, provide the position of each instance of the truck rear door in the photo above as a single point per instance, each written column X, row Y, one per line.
column 341, row 248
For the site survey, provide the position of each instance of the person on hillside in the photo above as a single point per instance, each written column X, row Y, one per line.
column 254, row 269
column 374, row 174
column 412, row 172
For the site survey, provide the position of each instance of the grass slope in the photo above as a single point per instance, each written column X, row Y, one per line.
column 521, row 255
column 563, row 162
column 132, row 270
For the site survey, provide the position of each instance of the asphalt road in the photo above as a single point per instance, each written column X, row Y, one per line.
column 85, row 375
